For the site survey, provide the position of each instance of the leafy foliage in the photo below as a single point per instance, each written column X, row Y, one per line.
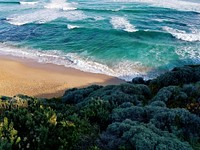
column 97, row 111
column 134, row 135
column 74, row 96
column 160, row 114
column 186, row 96
column 177, row 121
column 40, row 127
column 116, row 95
column 178, row 76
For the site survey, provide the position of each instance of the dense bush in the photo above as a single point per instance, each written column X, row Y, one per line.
column 134, row 135
column 97, row 111
column 40, row 127
column 4, row 144
column 134, row 113
column 74, row 96
column 186, row 96
column 178, row 76
column 172, row 96
column 126, row 116
column 180, row 122
column 118, row 94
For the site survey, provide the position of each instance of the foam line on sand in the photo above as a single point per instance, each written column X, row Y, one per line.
column 21, row 76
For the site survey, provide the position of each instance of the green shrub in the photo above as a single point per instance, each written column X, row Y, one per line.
column 134, row 135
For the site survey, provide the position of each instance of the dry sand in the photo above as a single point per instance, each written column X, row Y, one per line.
column 22, row 76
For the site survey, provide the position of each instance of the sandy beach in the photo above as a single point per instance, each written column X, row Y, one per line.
column 22, row 76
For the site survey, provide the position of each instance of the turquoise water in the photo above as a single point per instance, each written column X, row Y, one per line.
column 121, row 38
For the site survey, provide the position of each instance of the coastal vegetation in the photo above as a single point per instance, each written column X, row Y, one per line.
column 161, row 114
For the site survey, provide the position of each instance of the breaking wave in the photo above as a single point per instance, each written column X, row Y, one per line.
column 122, row 23
column 69, row 26
column 42, row 16
column 60, row 4
column 28, row 3
column 125, row 70
column 175, row 4
column 193, row 36
column 47, row 12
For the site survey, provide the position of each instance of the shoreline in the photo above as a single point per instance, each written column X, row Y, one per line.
column 28, row 77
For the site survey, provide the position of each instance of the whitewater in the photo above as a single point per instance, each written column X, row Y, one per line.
column 120, row 38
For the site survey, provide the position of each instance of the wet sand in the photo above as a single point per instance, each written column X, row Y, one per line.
column 22, row 76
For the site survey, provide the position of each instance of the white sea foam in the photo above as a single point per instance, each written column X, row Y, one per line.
column 159, row 20
column 163, row 20
column 98, row 18
column 190, row 52
column 60, row 4
column 193, row 36
column 123, row 24
column 124, row 69
column 175, row 4
column 27, row 3
column 43, row 16
column 47, row 12
column 69, row 26
column 38, row 16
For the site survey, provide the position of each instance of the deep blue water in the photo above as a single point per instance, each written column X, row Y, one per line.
column 122, row 38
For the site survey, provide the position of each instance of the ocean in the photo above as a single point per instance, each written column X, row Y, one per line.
column 120, row 38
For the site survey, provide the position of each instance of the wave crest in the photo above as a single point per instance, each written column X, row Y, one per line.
column 27, row 3
column 194, row 36
column 122, row 23
column 42, row 16
column 60, row 4
column 47, row 12
column 69, row 26
column 125, row 70
column 181, row 5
